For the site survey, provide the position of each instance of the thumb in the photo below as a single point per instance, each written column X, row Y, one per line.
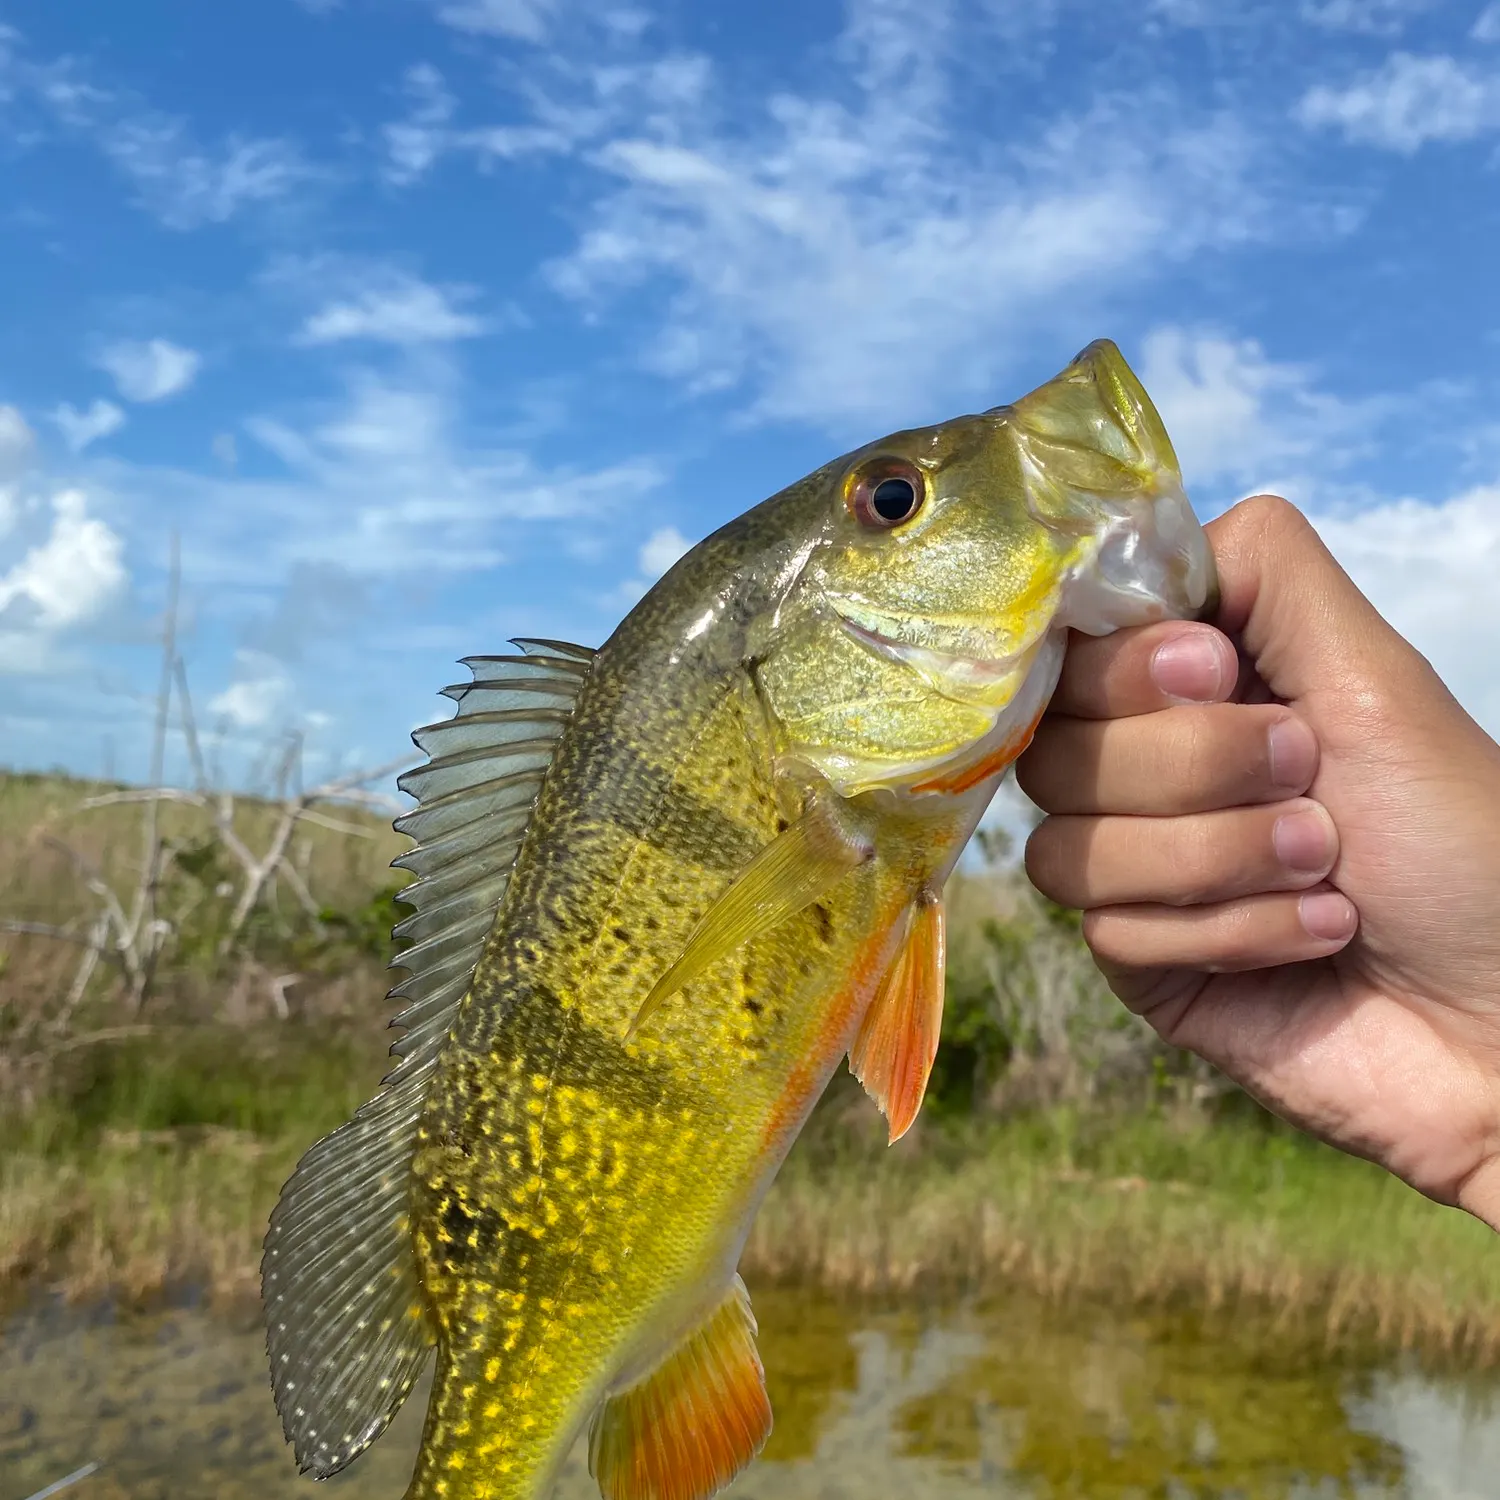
column 1298, row 616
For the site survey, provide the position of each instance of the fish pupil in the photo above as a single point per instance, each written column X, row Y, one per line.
column 894, row 499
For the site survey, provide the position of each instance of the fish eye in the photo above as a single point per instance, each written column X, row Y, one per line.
column 886, row 493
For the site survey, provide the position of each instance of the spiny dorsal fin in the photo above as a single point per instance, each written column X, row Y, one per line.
column 347, row 1324
column 690, row 1426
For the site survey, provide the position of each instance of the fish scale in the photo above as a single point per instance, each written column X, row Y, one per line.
column 600, row 1143
column 664, row 889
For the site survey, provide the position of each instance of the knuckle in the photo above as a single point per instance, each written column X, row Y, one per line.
column 1271, row 516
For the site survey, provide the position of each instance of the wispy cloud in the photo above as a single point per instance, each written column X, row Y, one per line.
column 857, row 263
column 395, row 308
column 80, row 428
column 259, row 697
column 1487, row 27
column 150, row 370
column 1371, row 17
column 187, row 184
column 1408, row 102
column 1240, row 420
column 523, row 19
column 428, row 131
column 184, row 181
column 17, row 445
column 384, row 482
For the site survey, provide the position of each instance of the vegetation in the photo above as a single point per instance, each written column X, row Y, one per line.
column 1062, row 1148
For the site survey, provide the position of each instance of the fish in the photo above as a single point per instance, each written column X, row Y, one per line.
column 662, row 890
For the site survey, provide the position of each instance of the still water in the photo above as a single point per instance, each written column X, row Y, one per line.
column 941, row 1404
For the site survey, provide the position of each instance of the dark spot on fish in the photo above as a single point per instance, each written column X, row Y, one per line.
column 472, row 1231
column 782, row 825
column 621, row 936
column 753, row 1005
column 825, row 922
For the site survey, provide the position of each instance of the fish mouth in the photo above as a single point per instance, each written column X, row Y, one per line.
column 978, row 681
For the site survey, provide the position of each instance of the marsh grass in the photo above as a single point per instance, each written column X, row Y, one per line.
column 169, row 1174
column 1062, row 1150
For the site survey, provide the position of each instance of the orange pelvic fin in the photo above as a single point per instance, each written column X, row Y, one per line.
column 690, row 1426
column 893, row 1053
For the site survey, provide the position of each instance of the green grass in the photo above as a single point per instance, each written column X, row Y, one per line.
column 1054, row 1153
column 161, row 1166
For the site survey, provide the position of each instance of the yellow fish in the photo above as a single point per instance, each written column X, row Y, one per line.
column 663, row 889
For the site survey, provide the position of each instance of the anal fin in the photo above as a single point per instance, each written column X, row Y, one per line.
column 690, row 1426
column 898, row 1039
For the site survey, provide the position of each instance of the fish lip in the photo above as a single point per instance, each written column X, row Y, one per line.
column 942, row 670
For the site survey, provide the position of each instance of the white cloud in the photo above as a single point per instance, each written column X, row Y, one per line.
column 80, row 428
column 661, row 549
column 1431, row 569
column 384, row 482
column 151, row 370
column 65, row 580
column 523, row 19
column 855, row 259
column 188, row 185
column 1407, row 102
column 1372, row 17
column 427, row 133
column 17, row 444
column 396, row 309
column 1487, row 27
column 1238, row 418
column 259, row 697
column 658, row 552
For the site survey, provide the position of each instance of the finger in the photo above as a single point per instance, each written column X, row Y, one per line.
column 1190, row 861
column 1255, row 932
column 1139, row 671
column 1181, row 760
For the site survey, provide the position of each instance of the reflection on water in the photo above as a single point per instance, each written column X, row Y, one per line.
column 1010, row 1400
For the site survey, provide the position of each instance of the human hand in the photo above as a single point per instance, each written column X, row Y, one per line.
column 1289, row 855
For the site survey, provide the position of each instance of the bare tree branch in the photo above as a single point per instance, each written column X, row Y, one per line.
column 47, row 930
column 143, row 921
column 190, row 727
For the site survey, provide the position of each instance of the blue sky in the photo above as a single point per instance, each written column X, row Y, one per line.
column 430, row 322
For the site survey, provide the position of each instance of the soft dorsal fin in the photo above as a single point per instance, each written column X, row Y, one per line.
column 898, row 1039
column 347, row 1325
column 691, row 1425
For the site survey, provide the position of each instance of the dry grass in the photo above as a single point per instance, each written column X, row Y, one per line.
column 1223, row 1222
column 148, row 1160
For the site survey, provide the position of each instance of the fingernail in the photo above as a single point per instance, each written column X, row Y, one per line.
column 1328, row 916
column 1189, row 667
column 1294, row 755
column 1304, row 840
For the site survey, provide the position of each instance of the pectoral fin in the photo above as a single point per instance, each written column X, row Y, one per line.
column 797, row 868
column 690, row 1426
column 898, row 1040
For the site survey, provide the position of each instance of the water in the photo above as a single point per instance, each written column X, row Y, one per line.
column 1012, row 1400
